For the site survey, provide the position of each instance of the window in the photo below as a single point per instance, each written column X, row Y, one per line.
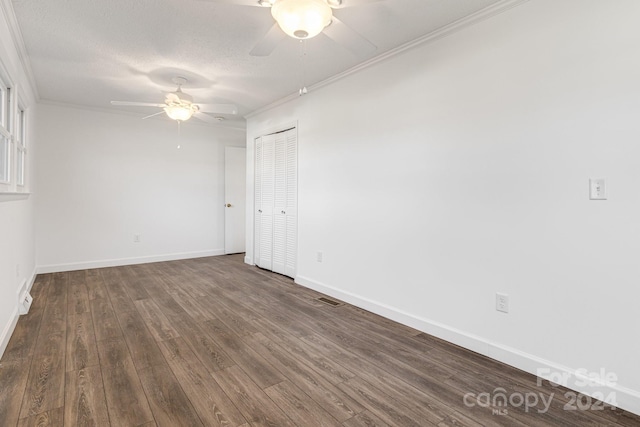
column 4, row 105
column 5, row 134
column 4, row 159
column 21, row 146
column 14, row 159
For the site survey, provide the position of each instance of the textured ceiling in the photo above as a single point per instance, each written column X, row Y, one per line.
column 89, row 52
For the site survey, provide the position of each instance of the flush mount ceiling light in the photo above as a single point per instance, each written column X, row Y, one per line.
column 302, row 19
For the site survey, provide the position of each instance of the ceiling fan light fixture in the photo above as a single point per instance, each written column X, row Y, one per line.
column 302, row 19
column 181, row 112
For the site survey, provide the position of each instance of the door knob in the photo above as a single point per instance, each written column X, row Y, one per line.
column 228, row 205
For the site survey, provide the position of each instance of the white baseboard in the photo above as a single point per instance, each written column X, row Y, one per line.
column 613, row 393
column 26, row 285
column 56, row 268
column 8, row 330
column 248, row 260
column 13, row 321
column 573, row 379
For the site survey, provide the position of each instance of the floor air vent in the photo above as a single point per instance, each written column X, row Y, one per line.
column 329, row 301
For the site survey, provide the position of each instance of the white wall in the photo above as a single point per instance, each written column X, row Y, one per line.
column 460, row 168
column 104, row 177
column 17, row 253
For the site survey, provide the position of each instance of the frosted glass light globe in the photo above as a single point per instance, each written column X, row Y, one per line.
column 302, row 19
column 180, row 112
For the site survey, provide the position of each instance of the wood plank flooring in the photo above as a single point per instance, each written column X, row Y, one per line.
column 214, row 342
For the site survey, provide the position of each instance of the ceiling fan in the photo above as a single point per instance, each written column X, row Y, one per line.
column 179, row 106
column 304, row 19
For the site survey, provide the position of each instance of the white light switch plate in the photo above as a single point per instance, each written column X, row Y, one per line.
column 597, row 189
column 502, row 302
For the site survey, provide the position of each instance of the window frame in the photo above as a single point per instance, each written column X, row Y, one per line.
column 14, row 123
column 20, row 137
column 6, row 138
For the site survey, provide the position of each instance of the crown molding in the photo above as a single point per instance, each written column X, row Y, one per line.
column 18, row 42
column 275, row 104
column 454, row 27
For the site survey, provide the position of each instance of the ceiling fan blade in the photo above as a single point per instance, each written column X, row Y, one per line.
column 154, row 114
column 340, row 4
column 137, row 104
column 206, row 118
column 268, row 42
column 237, row 2
column 342, row 34
column 219, row 108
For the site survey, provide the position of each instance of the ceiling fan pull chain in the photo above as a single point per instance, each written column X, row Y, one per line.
column 303, row 55
column 179, row 133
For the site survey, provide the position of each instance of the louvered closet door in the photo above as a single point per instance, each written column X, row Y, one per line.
column 265, row 212
column 258, row 201
column 291, row 210
column 276, row 202
column 280, row 204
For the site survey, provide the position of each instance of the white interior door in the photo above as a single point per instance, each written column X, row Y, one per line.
column 291, row 209
column 285, row 204
column 235, row 165
column 276, row 188
column 279, row 204
column 264, row 214
column 257, row 229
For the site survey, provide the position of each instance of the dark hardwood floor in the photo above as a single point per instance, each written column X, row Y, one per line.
column 212, row 341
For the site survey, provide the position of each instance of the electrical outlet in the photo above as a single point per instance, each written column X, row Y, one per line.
column 319, row 257
column 502, row 302
column 137, row 238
